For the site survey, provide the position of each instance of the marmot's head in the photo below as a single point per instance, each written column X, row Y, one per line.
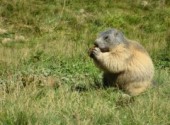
column 109, row 39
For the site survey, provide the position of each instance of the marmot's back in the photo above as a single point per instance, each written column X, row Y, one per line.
column 140, row 61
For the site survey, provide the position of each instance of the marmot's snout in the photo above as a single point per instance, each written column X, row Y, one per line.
column 96, row 44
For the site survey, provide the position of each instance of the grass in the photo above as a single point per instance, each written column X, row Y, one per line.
column 46, row 76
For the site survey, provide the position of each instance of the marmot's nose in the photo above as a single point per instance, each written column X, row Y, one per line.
column 95, row 43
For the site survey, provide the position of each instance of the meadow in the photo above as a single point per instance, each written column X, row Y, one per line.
column 47, row 77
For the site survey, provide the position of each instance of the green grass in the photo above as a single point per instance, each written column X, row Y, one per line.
column 47, row 78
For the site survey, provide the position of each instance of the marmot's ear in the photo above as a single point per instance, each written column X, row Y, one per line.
column 121, row 32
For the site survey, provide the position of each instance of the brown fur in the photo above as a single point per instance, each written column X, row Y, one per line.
column 126, row 66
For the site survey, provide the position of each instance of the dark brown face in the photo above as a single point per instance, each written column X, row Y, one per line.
column 109, row 39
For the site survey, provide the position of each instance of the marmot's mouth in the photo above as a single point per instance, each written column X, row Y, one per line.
column 104, row 49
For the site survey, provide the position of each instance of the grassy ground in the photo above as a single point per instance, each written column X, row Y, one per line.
column 46, row 76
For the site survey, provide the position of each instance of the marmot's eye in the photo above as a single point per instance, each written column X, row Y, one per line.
column 106, row 37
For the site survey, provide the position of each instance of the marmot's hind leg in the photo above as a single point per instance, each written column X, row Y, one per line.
column 134, row 89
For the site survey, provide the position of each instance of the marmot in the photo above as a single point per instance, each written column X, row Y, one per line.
column 126, row 64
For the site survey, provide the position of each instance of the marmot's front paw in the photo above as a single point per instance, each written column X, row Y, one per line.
column 90, row 52
column 94, row 52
